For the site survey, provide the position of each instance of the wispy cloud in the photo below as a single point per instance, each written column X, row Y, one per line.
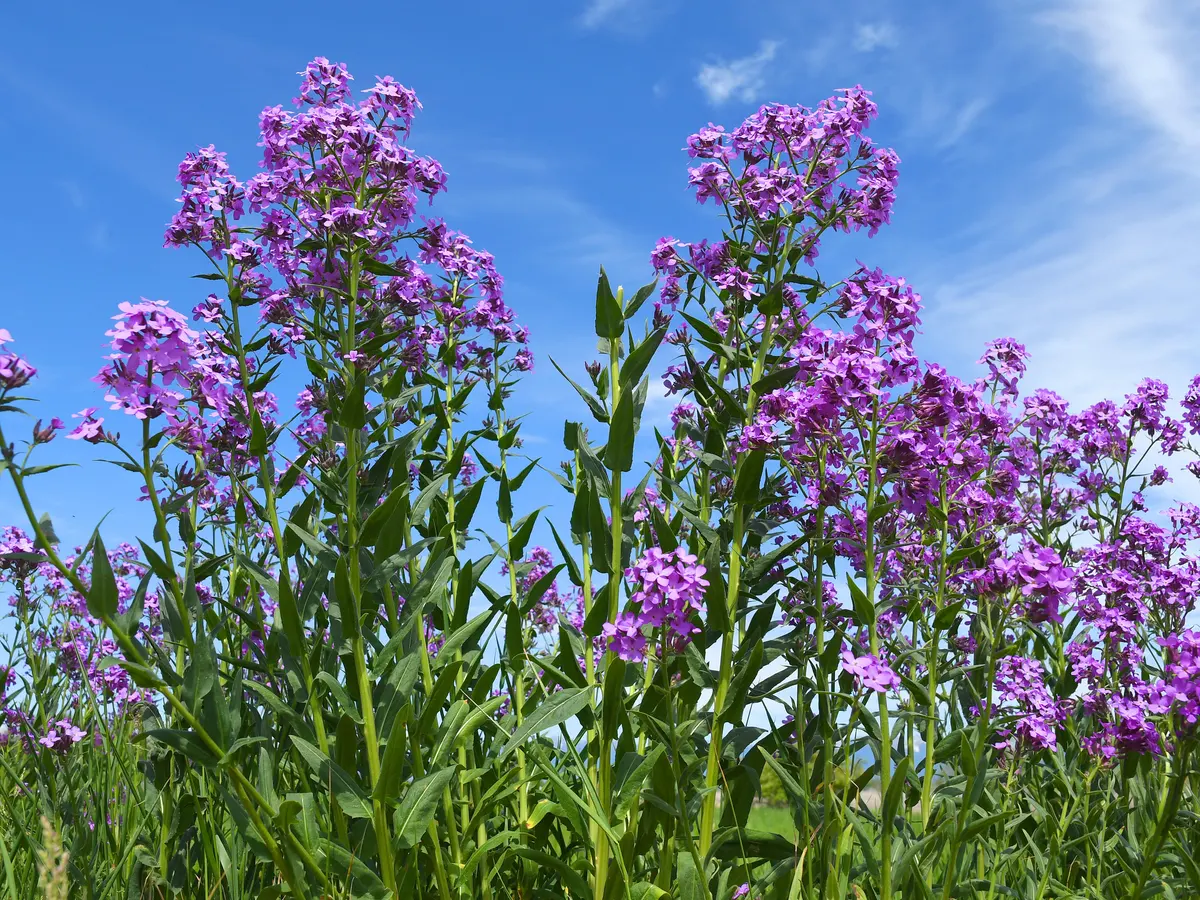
column 874, row 35
column 1097, row 283
column 601, row 12
column 74, row 193
column 629, row 17
column 741, row 79
column 98, row 237
column 133, row 153
column 956, row 127
column 1144, row 52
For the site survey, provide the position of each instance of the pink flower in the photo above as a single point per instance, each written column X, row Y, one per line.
column 89, row 429
column 870, row 672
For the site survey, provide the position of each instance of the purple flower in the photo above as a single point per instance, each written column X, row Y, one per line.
column 15, row 371
column 89, row 429
column 668, row 589
column 870, row 672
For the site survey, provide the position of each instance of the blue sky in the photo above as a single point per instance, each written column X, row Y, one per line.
column 1047, row 189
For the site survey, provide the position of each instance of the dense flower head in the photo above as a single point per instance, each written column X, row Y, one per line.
column 1020, row 681
column 62, row 735
column 440, row 298
column 668, row 588
column 870, row 672
column 153, row 353
column 784, row 167
column 15, row 371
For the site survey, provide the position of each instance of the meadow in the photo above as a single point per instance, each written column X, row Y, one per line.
column 944, row 625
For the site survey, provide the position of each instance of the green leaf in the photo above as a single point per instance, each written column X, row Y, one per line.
column 639, row 357
column 629, row 788
column 387, row 788
column 182, row 741
column 773, row 380
column 466, row 725
column 365, row 879
column 895, row 789
column 643, row 294
column 379, row 517
column 610, row 321
column 47, row 528
column 571, row 879
column 418, row 807
column 347, row 598
column 353, row 414
column 555, row 710
column 691, row 880
column 569, row 558
column 102, row 595
column 466, row 504
column 749, row 475
column 703, row 330
column 350, row 796
column 864, row 609
column 714, row 596
column 618, row 453
column 425, row 498
column 771, row 303
column 461, row 636
column 523, row 530
column 599, row 413
column 340, row 694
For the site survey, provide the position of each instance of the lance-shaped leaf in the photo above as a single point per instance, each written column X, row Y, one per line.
column 102, row 595
column 610, row 322
column 418, row 807
column 618, row 452
column 599, row 413
column 555, row 710
column 639, row 357
column 366, row 882
column 642, row 295
column 350, row 796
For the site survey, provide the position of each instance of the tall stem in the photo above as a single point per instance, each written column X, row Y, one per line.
column 383, row 838
column 725, row 674
column 871, row 575
column 615, row 583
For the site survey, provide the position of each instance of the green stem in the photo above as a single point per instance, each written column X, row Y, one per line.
column 725, row 674
column 1165, row 820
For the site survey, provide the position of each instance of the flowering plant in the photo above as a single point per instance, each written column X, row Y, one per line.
column 844, row 568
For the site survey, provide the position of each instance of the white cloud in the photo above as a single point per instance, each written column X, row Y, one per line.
column 630, row 18
column 74, row 193
column 1096, row 264
column 873, row 35
column 602, row 12
column 741, row 79
column 960, row 122
column 1144, row 52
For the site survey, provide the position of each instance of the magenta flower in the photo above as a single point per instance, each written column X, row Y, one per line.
column 15, row 371
column 89, row 429
column 668, row 589
column 870, row 672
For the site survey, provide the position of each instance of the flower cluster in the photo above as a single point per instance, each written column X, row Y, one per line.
column 870, row 671
column 668, row 588
column 15, row 371
column 783, row 173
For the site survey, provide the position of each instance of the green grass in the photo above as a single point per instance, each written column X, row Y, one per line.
column 772, row 818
